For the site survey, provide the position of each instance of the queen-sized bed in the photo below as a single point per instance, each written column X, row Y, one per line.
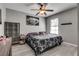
column 42, row 43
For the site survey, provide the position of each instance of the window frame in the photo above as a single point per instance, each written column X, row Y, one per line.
column 57, row 26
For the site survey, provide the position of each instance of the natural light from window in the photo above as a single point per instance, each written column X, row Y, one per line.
column 54, row 26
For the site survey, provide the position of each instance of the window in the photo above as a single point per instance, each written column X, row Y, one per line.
column 54, row 26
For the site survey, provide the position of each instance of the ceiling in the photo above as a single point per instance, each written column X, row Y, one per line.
column 26, row 7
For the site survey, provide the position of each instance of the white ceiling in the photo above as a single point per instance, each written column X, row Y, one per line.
column 25, row 7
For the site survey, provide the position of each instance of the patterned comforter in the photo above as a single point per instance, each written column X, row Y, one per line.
column 41, row 43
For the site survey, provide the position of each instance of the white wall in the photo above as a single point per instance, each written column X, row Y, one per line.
column 20, row 17
column 68, row 32
column 3, row 19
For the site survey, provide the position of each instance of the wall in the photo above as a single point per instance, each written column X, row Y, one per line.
column 20, row 17
column 78, row 29
column 68, row 32
column 3, row 13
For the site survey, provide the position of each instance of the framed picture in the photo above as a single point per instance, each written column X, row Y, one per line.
column 0, row 17
column 30, row 20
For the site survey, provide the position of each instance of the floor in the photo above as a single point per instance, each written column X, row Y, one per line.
column 62, row 50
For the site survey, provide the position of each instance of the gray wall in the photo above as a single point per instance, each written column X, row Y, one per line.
column 3, row 13
column 78, row 29
column 68, row 32
column 20, row 17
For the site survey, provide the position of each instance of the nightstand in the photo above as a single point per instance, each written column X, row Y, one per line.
column 22, row 39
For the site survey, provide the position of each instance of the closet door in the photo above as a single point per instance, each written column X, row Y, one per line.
column 12, row 30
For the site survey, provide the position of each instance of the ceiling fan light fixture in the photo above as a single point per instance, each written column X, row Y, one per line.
column 42, row 12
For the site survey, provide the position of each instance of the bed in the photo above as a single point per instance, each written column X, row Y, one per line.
column 42, row 43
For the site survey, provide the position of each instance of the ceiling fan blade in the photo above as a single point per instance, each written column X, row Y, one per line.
column 35, row 9
column 37, row 13
column 45, row 13
column 49, row 10
column 42, row 4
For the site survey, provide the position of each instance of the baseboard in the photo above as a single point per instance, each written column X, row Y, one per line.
column 71, row 44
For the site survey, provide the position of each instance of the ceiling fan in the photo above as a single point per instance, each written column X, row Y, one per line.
column 42, row 10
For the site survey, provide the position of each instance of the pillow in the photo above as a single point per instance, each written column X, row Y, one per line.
column 42, row 33
column 32, row 34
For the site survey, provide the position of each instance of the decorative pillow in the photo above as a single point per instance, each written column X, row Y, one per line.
column 42, row 33
column 32, row 34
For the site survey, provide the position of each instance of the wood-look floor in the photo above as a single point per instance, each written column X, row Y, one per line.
column 62, row 50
